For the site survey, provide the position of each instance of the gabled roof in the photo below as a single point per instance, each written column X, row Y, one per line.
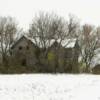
column 36, row 41
column 17, row 41
column 67, row 43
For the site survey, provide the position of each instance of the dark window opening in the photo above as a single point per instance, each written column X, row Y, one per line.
column 20, row 48
column 27, row 47
column 10, row 52
column 23, row 63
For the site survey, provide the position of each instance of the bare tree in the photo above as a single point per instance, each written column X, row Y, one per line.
column 73, row 26
column 46, row 27
column 89, row 41
column 50, row 26
column 8, row 29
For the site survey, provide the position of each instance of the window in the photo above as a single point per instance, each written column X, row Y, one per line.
column 20, row 47
column 23, row 63
column 27, row 47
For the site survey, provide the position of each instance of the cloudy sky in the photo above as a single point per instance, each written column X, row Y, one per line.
column 88, row 11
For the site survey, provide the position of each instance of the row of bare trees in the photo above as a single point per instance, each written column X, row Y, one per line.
column 46, row 26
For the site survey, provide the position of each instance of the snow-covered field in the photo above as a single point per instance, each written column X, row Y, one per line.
column 49, row 87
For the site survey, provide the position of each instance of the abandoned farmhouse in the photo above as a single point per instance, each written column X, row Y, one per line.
column 57, row 56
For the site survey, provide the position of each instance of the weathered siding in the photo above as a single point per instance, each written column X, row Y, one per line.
column 66, row 58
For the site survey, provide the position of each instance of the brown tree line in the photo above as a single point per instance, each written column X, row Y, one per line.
column 47, row 26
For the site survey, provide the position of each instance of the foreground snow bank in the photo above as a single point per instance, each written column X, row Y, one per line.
column 49, row 87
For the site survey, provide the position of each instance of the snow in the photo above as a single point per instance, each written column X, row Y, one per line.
column 49, row 87
column 67, row 43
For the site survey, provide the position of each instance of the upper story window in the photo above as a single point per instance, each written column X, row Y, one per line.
column 20, row 47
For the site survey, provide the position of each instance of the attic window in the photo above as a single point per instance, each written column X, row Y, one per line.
column 20, row 48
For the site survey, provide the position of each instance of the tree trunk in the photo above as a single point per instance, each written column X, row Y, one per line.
column 87, row 69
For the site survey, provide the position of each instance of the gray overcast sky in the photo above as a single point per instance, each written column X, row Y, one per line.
column 24, row 10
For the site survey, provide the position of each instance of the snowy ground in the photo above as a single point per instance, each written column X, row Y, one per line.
column 49, row 87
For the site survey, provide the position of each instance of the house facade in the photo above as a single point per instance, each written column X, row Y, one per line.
column 24, row 52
